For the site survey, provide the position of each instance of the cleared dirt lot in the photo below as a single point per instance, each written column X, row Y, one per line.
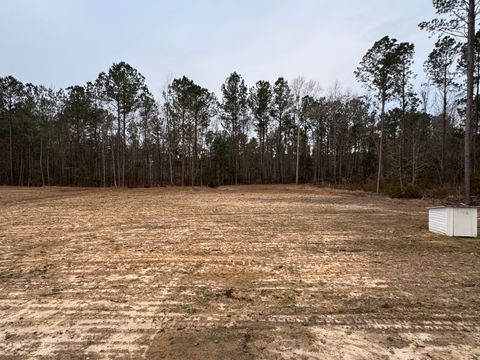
column 236, row 272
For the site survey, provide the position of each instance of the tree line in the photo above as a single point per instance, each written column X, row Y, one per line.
column 114, row 132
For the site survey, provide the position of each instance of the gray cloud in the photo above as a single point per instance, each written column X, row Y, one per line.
column 60, row 43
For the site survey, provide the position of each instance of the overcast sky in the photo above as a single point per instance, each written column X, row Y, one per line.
column 60, row 43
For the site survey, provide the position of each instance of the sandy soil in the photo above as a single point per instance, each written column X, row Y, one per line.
column 268, row 272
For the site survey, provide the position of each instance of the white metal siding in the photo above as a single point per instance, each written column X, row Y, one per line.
column 465, row 222
column 438, row 220
column 459, row 221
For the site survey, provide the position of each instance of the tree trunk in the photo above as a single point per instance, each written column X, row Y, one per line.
column 334, row 145
column 160, row 159
column 41, row 163
column 103, row 162
column 170, row 166
column 321, row 173
column 262, row 151
column 298, row 152
column 113, row 168
column 119, row 142
column 11, row 149
column 183, row 149
column 29, row 168
column 444, row 127
column 147, row 171
column 124, row 148
column 201, row 164
column 470, row 110
column 48, row 167
column 194, row 157
column 477, row 108
column 235, row 151
column 237, row 155
column 402, row 138
column 280, row 150
column 380, row 147
column 20, row 172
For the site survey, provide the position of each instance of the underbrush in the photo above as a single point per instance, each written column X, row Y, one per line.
column 409, row 191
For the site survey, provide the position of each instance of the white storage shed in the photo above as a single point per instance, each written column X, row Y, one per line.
column 453, row 221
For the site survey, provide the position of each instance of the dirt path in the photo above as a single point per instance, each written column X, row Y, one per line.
column 236, row 272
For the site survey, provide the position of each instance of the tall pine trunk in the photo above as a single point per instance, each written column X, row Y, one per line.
column 124, row 148
column 11, row 149
column 444, row 127
column 470, row 116
column 380, row 147
column 119, row 142
column 41, row 163
column 280, row 151
column 298, row 153
column 103, row 161
column 194, row 157
column 113, row 168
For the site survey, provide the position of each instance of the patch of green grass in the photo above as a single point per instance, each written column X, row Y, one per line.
column 296, row 310
column 208, row 295
column 205, row 297
column 189, row 309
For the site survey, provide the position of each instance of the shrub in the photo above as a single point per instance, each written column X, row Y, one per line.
column 409, row 191
column 444, row 191
column 476, row 183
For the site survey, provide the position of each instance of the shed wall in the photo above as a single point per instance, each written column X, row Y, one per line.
column 438, row 221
